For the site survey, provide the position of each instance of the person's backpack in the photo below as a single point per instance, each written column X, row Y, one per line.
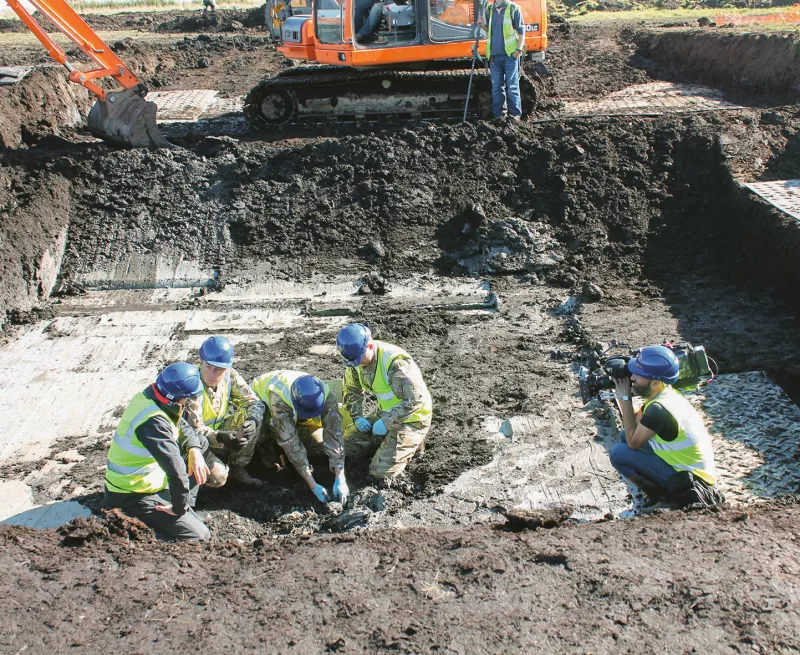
column 685, row 489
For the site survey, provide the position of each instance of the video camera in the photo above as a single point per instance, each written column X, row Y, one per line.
column 693, row 362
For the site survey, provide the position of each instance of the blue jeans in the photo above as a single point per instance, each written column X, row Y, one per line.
column 642, row 461
column 369, row 15
column 504, row 71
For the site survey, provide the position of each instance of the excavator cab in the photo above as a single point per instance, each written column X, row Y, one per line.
column 399, row 58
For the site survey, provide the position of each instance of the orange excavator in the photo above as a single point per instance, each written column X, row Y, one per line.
column 122, row 116
column 414, row 63
column 365, row 59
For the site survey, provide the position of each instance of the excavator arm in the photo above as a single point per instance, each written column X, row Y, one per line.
column 122, row 117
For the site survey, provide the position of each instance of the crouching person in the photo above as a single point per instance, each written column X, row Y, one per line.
column 396, row 432
column 665, row 447
column 227, row 413
column 304, row 418
column 146, row 475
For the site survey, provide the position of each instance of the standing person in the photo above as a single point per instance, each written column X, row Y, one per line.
column 505, row 43
column 667, row 436
column 304, row 418
column 227, row 412
column 396, row 431
column 146, row 476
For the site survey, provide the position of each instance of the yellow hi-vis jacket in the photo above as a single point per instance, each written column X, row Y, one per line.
column 130, row 467
column 280, row 382
column 211, row 418
column 691, row 450
column 386, row 353
column 510, row 38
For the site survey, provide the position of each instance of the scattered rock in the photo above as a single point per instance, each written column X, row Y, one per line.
column 69, row 457
column 522, row 519
column 373, row 251
column 772, row 118
column 590, row 292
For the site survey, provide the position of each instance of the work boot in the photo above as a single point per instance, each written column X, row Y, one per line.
column 652, row 507
column 239, row 475
column 651, row 489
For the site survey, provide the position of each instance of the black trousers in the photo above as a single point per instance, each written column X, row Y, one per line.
column 167, row 527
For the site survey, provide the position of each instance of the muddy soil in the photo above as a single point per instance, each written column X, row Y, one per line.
column 639, row 208
column 721, row 582
column 225, row 20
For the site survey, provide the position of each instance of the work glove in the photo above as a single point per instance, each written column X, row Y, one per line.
column 379, row 428
column 341, row 490
column 321, row 493
column 363, row 424
column 249, row 429
column 231, row 440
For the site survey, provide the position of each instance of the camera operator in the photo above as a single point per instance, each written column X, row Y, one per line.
column 666, row 436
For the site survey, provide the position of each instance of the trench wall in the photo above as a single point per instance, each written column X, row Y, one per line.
column 767, row 241
column 751, row 63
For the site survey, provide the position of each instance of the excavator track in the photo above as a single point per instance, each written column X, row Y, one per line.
column 309, row 95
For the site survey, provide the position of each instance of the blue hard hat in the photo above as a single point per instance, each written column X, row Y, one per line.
column 217, row 351
column 308, row 396
column 179, row 380
column 656, row 363
column 352, row 343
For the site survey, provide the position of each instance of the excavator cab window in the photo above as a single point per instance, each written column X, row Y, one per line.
column 382, row 23
column 329, row 20
column 452, row 20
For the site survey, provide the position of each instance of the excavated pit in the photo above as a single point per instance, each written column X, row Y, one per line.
column 498, row 254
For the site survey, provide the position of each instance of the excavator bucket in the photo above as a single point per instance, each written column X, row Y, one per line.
column 125, row 118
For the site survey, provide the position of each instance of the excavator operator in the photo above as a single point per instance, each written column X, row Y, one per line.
column 368, row 14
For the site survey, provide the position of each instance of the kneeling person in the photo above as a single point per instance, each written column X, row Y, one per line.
column 304, row 417
column 146, row 476
column 227, row 412
column 668, row 436
column 397, row 430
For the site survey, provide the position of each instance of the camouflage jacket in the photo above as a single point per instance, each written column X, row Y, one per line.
column 243, row 405
column 283, row 422
column 407, row 384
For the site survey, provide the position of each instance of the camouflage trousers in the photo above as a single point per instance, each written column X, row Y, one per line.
column 390, row 453
column 308, row 431
column 233, row 422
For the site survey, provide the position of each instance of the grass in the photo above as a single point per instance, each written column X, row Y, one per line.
column 772, row 18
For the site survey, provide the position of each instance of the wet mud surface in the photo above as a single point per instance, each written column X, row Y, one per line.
column 586, row 230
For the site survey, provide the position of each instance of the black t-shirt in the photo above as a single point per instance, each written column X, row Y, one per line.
column 660, row 421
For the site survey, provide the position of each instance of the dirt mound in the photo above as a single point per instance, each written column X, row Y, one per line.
column 44, row 103
column 108, row 526
column 227, row 20
column 742, row 65
column 35, row 206
column 223, row 20
column 710, row 581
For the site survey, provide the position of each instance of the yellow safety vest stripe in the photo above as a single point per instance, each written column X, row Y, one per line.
column 386, row 353
column 691, row 450
column 130, row 468
column 280, row 383
column 510, row 39
column 211, row 418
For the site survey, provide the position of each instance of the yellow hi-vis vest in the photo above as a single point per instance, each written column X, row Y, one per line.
column 692, row 449
column 510, row 38
column 386, row 353
column 130, row 468
column 280, row 382
column 211, row 418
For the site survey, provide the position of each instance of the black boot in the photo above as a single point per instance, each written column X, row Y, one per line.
column 654, row 491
